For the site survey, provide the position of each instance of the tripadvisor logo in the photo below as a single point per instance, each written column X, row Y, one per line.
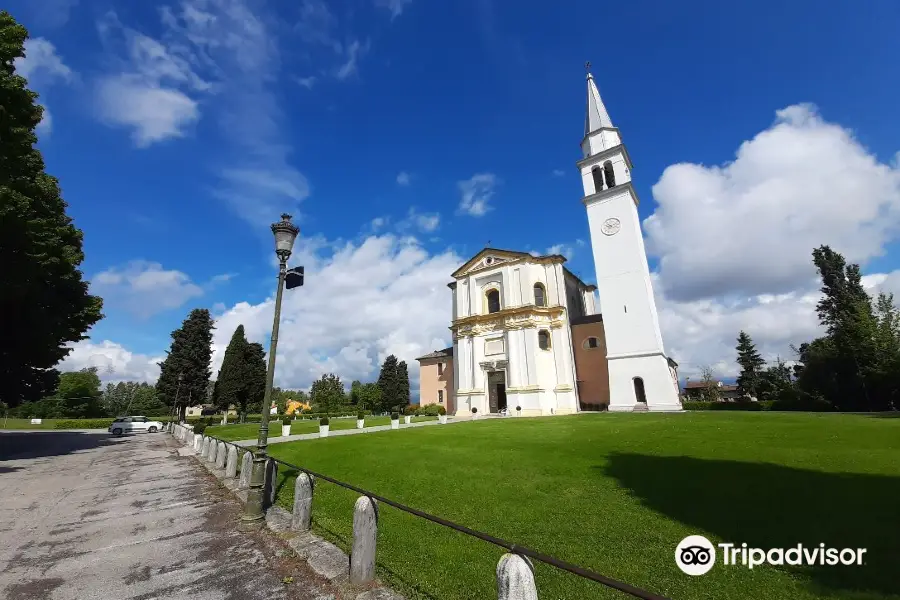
column 696, row 555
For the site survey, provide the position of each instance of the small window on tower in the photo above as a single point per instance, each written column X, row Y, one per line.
column 540, row 296
column 440, row 396
column 597, row 172
column 591, row 343
column 610, row 174
column 493, row 301
column 440, row 369
column 544, row 339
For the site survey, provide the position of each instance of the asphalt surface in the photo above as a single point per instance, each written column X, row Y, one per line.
column 89, row 516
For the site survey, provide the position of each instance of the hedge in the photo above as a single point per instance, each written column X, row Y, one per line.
column 83, row 424
column 805, row 405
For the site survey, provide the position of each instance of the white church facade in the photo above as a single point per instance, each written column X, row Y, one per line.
column 526, row 332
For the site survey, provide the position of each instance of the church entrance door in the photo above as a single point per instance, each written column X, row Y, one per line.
column 496, row 391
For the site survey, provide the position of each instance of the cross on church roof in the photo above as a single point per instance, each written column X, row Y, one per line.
column 587, row 66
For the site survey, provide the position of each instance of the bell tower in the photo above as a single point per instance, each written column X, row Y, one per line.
column 641, row 376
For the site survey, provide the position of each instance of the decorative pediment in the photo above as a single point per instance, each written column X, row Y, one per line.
column 486, row 259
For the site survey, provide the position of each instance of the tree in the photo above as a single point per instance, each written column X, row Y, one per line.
column 368, row 396
column 403, row 377
column 241, row 382
column 131, row 398
column 389, row 382
column 327, row 393
column 710, row 391
column 188, row 358
column 255, row 389
column 79, row 394
column 43, row 297
column 232, row 377
column 751, row 365
column 354, row 391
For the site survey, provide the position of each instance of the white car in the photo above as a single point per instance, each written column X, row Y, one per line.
column 133, row 425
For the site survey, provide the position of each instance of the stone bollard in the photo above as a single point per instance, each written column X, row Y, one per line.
column 515, row 578
column 231, row 463
column 204, row 453
column 303, row 497
column 198, row 443
column 271, row 483
column 213, row 449
column 365, row 534
column 220, row 455
column 246, row 470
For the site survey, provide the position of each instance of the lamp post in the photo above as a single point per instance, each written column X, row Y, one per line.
column 285, row 234
column 175, row 412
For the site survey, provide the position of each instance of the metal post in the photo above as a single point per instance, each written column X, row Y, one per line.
column 253, row 509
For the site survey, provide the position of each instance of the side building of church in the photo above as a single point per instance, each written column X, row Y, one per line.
column 526, row 332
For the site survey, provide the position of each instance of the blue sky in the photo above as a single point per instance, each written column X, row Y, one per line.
column 180, row 130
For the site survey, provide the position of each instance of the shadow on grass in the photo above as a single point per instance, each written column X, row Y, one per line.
column 41, row 444
column 772, row 506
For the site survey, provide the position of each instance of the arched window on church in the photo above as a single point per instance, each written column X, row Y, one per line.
column 639, row 394
column 493, row 300
column 544, row 339
column 610, row 174
column 592, row 343
column 597, row 172
column 540, row 295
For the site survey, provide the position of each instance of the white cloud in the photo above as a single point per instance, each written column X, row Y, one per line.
column 352, row 54
column 114, row 363
column 51, row 13
column 307, row 82
column 153, row 114
column 220, row 55
column 384, row 295
column 144, row 288
column 558, row 173
column 476, row 193
column 424, row 222
column 395, row 7
column 749, row 226
column 404, row 178
column 43, row 67
column 41, row 64
column 735, row 241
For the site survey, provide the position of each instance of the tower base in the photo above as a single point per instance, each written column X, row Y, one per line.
column 644, row 378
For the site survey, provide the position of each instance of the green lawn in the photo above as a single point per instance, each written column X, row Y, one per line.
column 616, row 493
column 249, row 431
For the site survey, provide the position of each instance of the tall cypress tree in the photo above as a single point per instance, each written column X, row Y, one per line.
column 389, row 382
column 232, row 378
column 255, row 387
column 188, row 357
column 403, row 383
column 751, row 364
column 44, row 300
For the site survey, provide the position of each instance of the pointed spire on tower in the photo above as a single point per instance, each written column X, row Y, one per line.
column 597, row 116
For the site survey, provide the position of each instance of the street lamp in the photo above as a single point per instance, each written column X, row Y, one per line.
column 285, row 234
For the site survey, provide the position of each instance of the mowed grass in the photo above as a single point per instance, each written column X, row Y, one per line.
column 616, row 493
column 26, row 424
column 248, row 431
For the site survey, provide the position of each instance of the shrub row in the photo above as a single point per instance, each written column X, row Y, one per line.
column 805, row 405
column 83, row 424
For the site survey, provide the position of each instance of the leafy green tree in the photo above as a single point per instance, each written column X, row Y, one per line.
column 44, row 300
column 187, row 358
column 79, row 394
column 751, row 364
column 389, row 382
column 327, row 393
column 368, row 396
column 354, row 391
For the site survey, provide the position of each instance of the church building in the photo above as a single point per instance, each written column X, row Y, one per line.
column 526, row 332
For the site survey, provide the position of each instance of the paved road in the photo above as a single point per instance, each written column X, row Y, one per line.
column 87, row 516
